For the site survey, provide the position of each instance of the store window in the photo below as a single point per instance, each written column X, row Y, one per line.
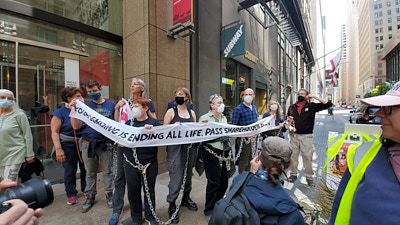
column 103, row 14
column 235, row 79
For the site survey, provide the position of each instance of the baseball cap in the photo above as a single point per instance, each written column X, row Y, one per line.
column 276, row 149
column 392, row 97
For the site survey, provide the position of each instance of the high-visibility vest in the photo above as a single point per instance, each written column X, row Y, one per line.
column 336, row 142
column 358, row 159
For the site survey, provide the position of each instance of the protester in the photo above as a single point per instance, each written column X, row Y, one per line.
column 138, row 90
column 96, row 147
column 135, row 159
column 15, row 137
column 302, row 112
column 245, row 114
column 213, row 157
column 19, row 213
column 65, row 141
column 264, row 190
column 368, row 192
column 177, row 154
column 274, row 108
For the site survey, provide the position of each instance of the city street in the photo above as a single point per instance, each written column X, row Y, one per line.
column 61, row 213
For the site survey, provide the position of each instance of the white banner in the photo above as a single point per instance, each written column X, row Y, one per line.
column 173, row 134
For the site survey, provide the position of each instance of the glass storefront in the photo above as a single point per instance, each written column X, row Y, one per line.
column 235, row 79
column 34, row 64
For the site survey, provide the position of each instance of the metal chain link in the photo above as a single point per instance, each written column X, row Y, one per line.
column 253, row 147
column 221, row 158
column 146, row 185
column 115, row 161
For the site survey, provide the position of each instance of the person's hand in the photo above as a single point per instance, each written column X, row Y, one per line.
column 30, row 159
column 255, row 163
column 179, row 123
column 7, row 183
column 60, row 155
column 119, row 104
column 148, row 126
column 20, row 214
column 72, row 103
column 45, row 100
column 119, row 145
column 280, row 126
column 204, row 121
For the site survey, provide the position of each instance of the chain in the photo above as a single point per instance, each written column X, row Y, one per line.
column 115, row 161
column 146, row 185
column 221, row 158
column 253, row 147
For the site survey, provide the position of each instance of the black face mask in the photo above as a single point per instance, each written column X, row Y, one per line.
column 180, row 100
column 300, row 98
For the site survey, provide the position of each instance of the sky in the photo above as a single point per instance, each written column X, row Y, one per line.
column 336, row 13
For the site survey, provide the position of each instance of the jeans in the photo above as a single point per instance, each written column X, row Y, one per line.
column 70, row 167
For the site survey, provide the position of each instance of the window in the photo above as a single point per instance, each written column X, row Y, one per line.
column 381, row 30
column 380, row 13
column 389, row 20
column 398, row 18
column 375, row 7
column 388, row 3
column 381, row 38
column 380, row 5
column 397, row 10
column 376, row 30
column 379, row 65
column 377, row 22
column 398, row 26
column 376, row 14
column 380, row 22
column 396, row 2
column 390, row 36
column 381, row 46
column 376, row 39
column 377, row 47
column 389, row 12
column 389, row 28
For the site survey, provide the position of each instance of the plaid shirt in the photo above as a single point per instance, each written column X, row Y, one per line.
column 243, row 115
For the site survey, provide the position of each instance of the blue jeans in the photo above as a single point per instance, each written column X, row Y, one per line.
column 91, row 166
column 70, row 168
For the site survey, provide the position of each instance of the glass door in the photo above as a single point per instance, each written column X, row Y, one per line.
column 40, row 79
column 7, row 65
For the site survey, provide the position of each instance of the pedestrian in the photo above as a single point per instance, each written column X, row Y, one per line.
column 138, row 90
column 368, row 192
column 65, row 141
column 274, row 109
column 135, row 159
column 96, row 147
column 243, row 115
column 302, row 113
column 215, row 157
column 15, row 137
column 264, row 190
column 177, row 155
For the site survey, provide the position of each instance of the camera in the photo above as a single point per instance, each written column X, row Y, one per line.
column 35, row 193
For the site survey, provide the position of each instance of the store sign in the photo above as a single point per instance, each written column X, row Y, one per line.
column 251, row 57
column 71, row 72
column 242, row 79
column 227, row 81
column 233, row 41
column 329, row 89
column 182, row 11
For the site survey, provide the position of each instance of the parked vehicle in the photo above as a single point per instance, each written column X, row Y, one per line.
column 364, row 114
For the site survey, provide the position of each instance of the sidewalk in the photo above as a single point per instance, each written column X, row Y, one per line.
column 61, row 213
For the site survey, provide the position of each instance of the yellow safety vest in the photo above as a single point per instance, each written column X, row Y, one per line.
column 336, row 142
column 358, row 159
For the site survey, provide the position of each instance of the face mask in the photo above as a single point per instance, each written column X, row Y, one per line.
column 221, row 108
column 136, row 112
column 5, row 103
column 180, row 100
column 94, row 96
column 300, row 98
column 81, row 99
column 248, row 99
column 274, row 107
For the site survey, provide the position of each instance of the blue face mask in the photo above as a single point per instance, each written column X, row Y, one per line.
column 95, row 96
column 5, row 103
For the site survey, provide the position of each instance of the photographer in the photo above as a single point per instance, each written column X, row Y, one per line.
column 19, row 213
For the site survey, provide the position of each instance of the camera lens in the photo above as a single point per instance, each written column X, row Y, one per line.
column 35, row 193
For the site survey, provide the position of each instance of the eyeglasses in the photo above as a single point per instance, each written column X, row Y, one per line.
column 388, row 109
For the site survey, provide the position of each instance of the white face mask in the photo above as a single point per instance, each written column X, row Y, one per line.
column 274, row 107
column 136, row 112
column 221, row 108
column 248, row 99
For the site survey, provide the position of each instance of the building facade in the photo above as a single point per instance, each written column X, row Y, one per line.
column 49, row 44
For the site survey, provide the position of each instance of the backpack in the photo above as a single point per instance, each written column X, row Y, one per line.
column 235, row 209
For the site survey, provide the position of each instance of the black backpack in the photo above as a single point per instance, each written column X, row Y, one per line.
column 235, row 209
